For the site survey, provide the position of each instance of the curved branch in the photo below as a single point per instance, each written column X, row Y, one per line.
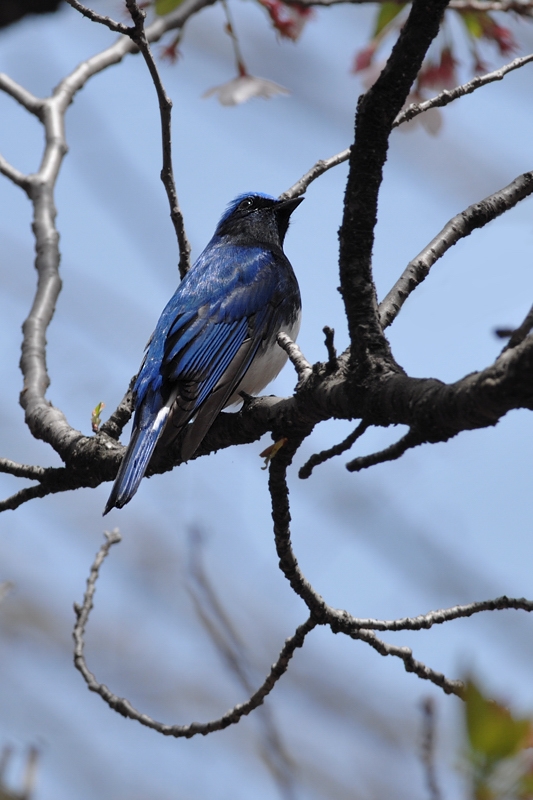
column 44, row 421
column 124, row 707
column 420, row 669
column 331, row 452
column 396, row 450
column 426, row 621
column 475, row 216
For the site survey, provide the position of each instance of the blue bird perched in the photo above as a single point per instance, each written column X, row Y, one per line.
column 216, row 337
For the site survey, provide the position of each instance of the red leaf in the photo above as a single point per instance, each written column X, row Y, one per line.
column 363, row 59
column 441, row 75
column 288, row 20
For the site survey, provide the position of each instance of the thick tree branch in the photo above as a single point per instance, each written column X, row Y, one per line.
column 376, row 112
column 475, row 216
column 124, row 707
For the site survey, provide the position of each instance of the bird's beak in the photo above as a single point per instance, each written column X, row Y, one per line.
column 288, row 206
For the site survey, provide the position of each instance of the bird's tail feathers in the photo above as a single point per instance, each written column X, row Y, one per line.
column 136, row 459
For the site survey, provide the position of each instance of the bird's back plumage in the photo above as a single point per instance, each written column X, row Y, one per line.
column 216, row 336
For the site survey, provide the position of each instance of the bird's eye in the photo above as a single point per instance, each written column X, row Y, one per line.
column 246, row 203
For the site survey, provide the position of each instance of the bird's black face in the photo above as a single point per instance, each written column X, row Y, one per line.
column 259, row 219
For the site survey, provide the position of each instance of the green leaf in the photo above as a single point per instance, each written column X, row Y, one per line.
column 386, row 14
column 493, row 733
column 166, row 6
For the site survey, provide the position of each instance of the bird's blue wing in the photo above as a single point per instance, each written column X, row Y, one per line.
column 204, row 342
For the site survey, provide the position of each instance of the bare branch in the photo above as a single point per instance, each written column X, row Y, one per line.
column 31, row 103
column 523, row 7
column 124, row 707
column 21, row 497
column 296, row 357
column 315, row 172
column 518, row 335
column 14, row 175
column 21, row 470
column 120, row 417
column 411, row 439
column 331, row 452
column 475, row 216
column 117, row 27
column 428, row 748
column 426, row 621
column 225, row 638
column 329, row 341
column 443, row 99
column 409, row 662
column 449, row 95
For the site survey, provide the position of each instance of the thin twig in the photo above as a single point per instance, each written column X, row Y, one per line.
column 396, row 450
column 428, row 748
column 520, row 333
column 426, row 621
column 442, row 99
column 475, row 216
column 225, row 638
column 21, row 497
column 449, row 95
column 296, row 357
column 524, row 7
column 405, row 654
column 18, row 178
column 165, row 109
column 124, row 707
column 30, row 102
column 331, row 452
column 329, row 341
column 117, row 27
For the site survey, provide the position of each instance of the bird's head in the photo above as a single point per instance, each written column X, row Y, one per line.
column 257, row 218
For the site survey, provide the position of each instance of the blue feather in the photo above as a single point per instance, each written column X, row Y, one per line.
column 216, row 335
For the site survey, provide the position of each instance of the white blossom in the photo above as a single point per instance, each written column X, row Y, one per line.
column 243, row 88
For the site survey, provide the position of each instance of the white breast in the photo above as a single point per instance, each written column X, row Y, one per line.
column 268, row 363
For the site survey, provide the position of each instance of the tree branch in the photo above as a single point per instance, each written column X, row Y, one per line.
column 296, row 357
column 410, row 663
column 165, row 109
column 521, row 332
column 413, row 110
column 31, row 103
column 376, row 112
column 331, row 452
column 124, row 707
column 475, row 216
column 396, row 450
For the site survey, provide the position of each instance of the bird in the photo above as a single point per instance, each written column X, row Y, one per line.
column 216, row 337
